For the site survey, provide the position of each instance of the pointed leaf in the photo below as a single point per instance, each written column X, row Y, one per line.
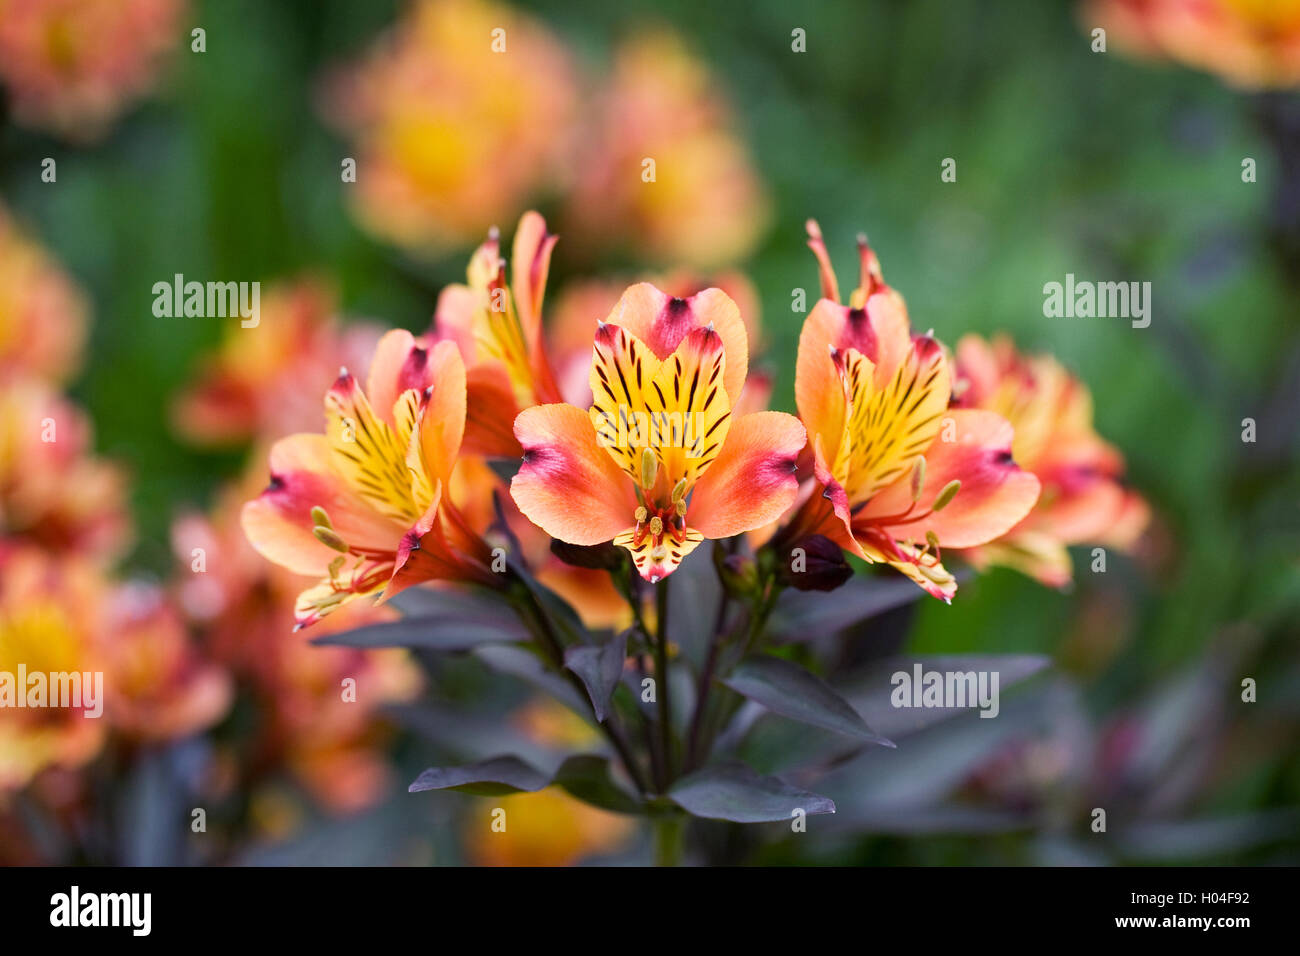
column 429, row 633
column 528, row 667
column 787, row 689
column 486, row 778
column 733, row 791
column 587, row 777
column 600, row 668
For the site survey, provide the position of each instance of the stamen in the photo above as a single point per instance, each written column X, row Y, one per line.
column 946, row 495
column 649, row 468
column 656, row 526
column 330, row 538
column 679, row 490
column 321, row 518
column 918, row 479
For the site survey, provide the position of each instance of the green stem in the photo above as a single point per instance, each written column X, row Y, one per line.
column 535, row 615
column 669, row 838
column 662, row 682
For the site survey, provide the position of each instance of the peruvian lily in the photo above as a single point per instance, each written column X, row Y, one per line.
column 364, row 506
column 901, row 475
column 498, row 328
column 658, row 463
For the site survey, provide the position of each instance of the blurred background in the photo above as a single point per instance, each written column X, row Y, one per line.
column 228, row 165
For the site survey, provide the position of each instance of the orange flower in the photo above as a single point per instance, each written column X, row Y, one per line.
column 1249, row 43
column 362, row 507
column 262, row 382
column 159, row 686
column 49, row 621
column 498, row 329
column 72, row 65
column 1084, row 498
column 658, row 463
column 902, row 475
column 458, row 114
column 53, row 492
column 705, row 205
column 42, row 312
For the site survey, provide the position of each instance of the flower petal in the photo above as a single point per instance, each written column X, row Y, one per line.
column 568, row 485
column 690, row 413
column 655, row 562
column 278, row 523
column 753, row 480
column 661, row 321
column 531, row 264
column 622, row 371
column 995, row 492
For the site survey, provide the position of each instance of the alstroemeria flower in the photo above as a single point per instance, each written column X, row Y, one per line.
column 659, row 463
column 498, row 328
column 901, row 474
column 1253, row 44
column 363, row 506
column 1084, row 498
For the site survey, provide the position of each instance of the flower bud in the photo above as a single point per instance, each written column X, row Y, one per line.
column 814, row 563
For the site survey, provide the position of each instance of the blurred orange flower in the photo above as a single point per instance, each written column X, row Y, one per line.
column 49, row 624
column 159, row 685
column 1249, row 43
column 42, row 312
column 1084, row 498
column 73, row 65
column 53, row 491
column 705, row 205
column 264, row 381
column 458, row 113
column 242, row 607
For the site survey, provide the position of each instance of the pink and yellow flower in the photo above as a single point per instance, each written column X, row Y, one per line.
column 899, row 474
column 364, row 507
column 659, row 463
column 706, row 205
column 1249, row 43
column 42, row 311
column 72, row 65
column 458, row 115
column 1084, row 499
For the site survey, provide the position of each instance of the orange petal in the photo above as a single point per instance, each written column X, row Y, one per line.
column 278, row 523
column 490, row 413
column 661, row 321
column 442, row 412
column 753, row 480
column 568, row 485
column 529, row 269
column 401, row 362
column 995, row 492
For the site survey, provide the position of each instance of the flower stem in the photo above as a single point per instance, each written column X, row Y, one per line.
column 661, row 678
column 669, row 834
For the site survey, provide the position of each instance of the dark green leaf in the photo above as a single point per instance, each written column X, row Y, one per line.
column 438, row 633
column 787, row 689
column 587, row 777
column 487, row 778
column 600, row 668
column 732, row 791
